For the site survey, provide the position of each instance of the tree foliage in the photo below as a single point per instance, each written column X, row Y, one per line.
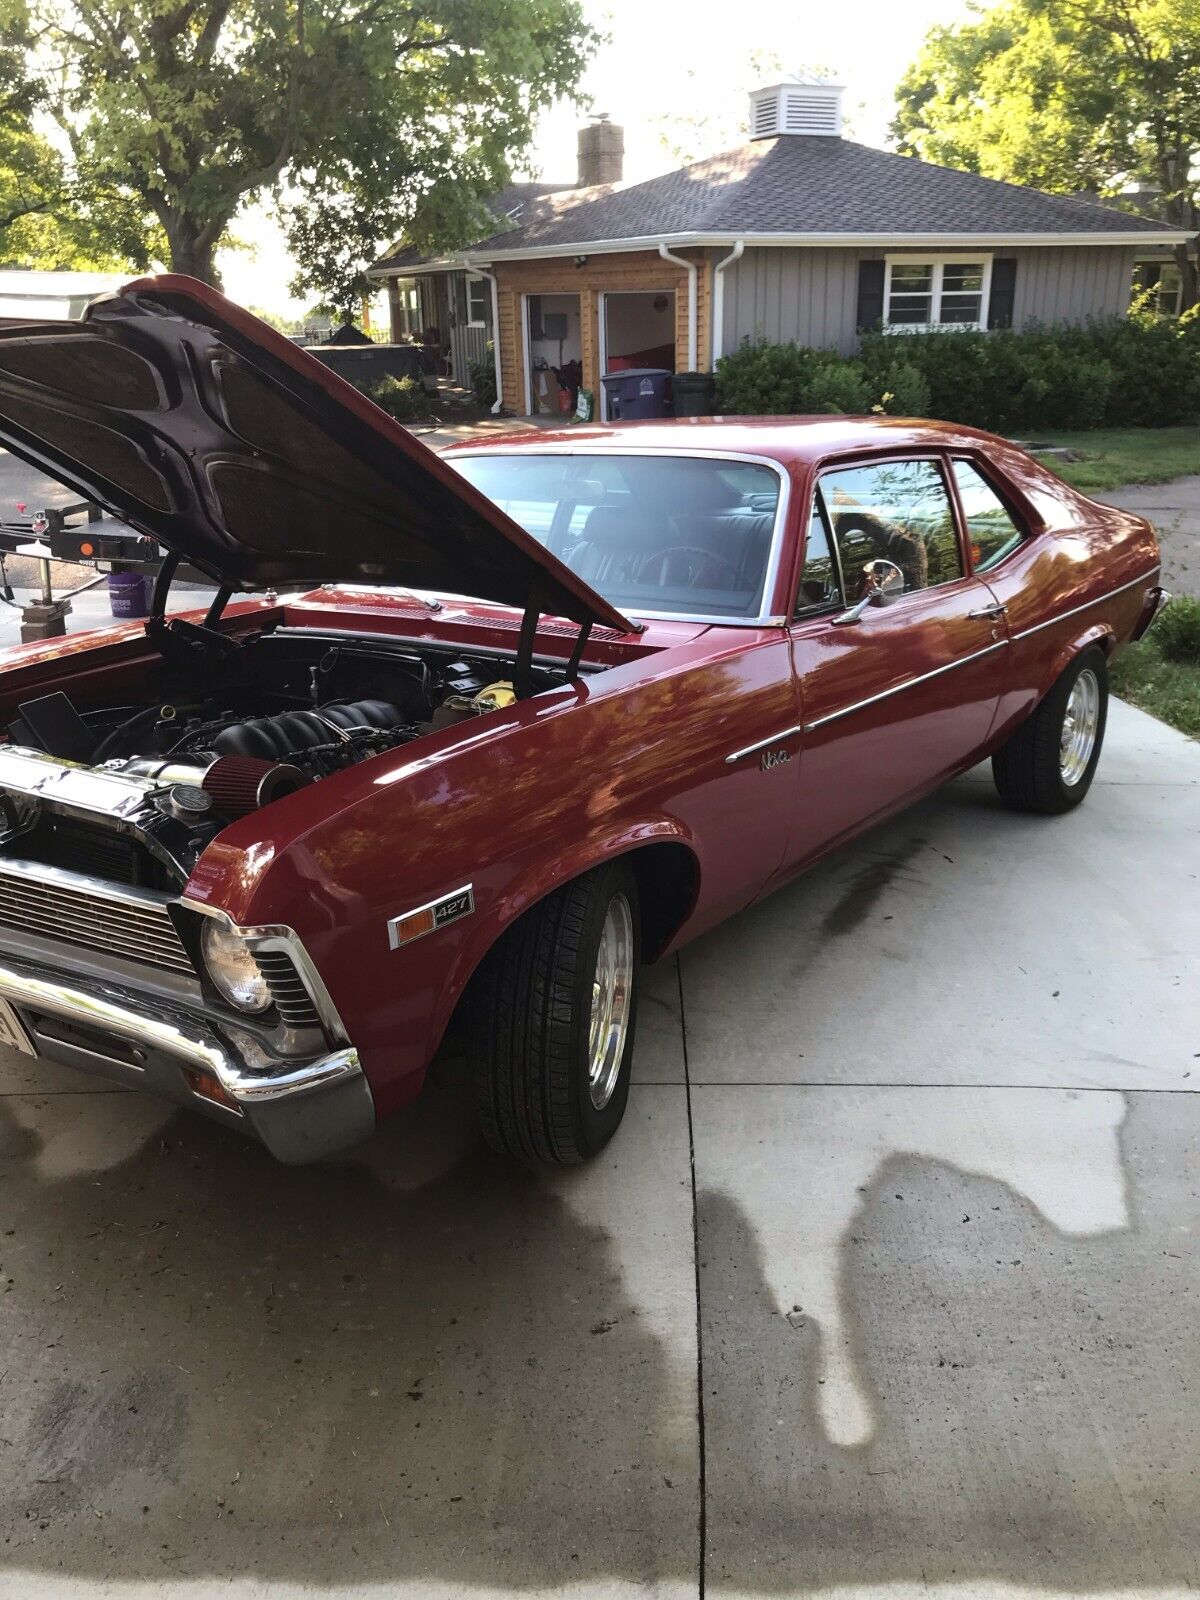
column 368, row 116
column 1069, row 96
column 44, row 222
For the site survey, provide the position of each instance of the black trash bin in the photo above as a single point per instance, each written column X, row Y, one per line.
column 640, row 392
column 694, row 394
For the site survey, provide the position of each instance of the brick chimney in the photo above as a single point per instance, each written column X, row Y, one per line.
column 601, row 152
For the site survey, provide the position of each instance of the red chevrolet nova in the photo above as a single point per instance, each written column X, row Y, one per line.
column 548, row 709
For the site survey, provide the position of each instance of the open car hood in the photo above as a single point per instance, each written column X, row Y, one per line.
column 199, row 425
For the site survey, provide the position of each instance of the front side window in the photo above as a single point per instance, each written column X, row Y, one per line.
column 677, row 535
column 819, row 582
column 478, row 302
column 935, row 292
column 896, row 511
column 992, row 531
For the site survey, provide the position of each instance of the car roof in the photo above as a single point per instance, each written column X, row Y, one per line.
column 789, row 440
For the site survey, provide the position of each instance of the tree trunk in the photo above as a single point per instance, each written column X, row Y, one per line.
column 193, row 246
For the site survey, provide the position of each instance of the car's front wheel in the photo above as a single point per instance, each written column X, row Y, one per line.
column 1048, row 764
column 551, row 1020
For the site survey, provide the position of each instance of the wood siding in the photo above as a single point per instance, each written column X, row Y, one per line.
column 810, row 295
column 640, row 269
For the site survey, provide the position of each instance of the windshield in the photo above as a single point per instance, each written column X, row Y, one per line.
column 681, row 535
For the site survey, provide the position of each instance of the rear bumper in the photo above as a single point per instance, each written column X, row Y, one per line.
column 301, row 1108
column 1156, row 599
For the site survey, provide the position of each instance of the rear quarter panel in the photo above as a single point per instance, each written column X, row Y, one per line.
column 514, row 803
column 1081, row 578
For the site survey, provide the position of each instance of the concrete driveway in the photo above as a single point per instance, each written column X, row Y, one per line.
column 888, row 1287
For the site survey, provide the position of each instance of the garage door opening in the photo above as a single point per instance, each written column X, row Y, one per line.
column 637, row 329
column 554, row 352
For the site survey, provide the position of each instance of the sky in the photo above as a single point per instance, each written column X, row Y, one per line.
column 675, row 74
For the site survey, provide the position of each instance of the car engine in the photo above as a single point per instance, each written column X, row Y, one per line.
column 235, row 725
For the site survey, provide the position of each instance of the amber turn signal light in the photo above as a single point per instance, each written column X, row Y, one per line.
column 413, row 926
column 210, row 1089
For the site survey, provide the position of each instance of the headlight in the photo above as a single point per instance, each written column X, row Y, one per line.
column 232, row 968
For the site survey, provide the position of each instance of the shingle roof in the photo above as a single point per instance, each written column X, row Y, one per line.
column 800, row 184
column 510, row 202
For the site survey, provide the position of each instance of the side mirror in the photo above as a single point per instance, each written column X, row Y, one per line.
column 882, row 582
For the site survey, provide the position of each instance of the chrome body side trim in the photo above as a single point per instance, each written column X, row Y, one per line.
column 1087, row 605
column 764, row 744
column 765, row 617
column 899, row 688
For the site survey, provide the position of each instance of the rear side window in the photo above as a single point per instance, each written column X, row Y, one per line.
column 896, row 511
column 992, row 531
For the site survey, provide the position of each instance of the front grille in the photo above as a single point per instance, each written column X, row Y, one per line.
column 73, row 845
column 292, row 1000
column 135, row 928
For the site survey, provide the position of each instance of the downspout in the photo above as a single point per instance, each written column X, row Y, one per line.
column 693, row 273
column 491, row 278
column 718, row 309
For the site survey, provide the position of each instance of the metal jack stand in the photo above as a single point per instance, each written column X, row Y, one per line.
column 45, row 618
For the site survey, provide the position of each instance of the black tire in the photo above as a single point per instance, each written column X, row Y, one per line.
column 529, row 1019
column 1028, row 769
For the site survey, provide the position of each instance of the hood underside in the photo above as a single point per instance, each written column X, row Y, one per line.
column 199, row 425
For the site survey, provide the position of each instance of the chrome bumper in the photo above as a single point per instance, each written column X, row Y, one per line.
column 301, row 1109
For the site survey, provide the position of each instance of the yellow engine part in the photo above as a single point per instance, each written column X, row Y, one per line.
column 495, row 697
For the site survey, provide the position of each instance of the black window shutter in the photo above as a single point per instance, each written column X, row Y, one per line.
column 870, row 295
column 1004, row 289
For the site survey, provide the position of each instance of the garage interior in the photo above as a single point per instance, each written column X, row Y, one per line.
column 555, row 351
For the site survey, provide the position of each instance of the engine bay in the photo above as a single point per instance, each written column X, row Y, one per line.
column 234, row 724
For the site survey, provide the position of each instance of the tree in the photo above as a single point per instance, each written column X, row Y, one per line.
column 367, row 114
column 43, row 223
column 1069, row 96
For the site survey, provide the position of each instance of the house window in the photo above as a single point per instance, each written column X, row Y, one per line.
column 1165, row 283
column 922, row 292
column 479, row 301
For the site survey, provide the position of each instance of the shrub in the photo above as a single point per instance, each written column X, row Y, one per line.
column 402, row 398
column 900, row 390
column 766, row 380
column 1142, row 371
column 482, row 377
column 1177, row 631
column 835, row 385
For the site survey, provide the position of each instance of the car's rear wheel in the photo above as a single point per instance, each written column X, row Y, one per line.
column 1048, row 764
column 552, row 1013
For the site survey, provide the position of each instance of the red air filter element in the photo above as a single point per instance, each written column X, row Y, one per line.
column 241, row 784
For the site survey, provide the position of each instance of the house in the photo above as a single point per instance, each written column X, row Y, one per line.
column 798, row 234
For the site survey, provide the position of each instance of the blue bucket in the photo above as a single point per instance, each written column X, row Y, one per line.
column 127, row 594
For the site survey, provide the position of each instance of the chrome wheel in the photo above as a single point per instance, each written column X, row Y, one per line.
column 1080, row 721
column 612, row 991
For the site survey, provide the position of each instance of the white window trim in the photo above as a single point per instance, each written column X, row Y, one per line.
column 474, row 277
column 939, row 264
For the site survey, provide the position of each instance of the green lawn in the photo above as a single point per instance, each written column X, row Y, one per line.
column 1169, row 690
column 1112, row 457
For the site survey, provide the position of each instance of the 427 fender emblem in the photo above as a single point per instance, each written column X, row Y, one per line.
column 429, row 918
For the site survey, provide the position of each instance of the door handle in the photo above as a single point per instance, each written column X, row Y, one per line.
column 995, row 611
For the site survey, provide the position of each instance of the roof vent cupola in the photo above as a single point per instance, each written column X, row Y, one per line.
column 813, row 108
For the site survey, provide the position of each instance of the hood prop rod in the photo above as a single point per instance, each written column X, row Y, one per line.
column 523, row 665
column 577, row 651
column 162, row 585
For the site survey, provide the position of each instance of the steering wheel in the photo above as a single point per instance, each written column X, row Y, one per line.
column 707, row 563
